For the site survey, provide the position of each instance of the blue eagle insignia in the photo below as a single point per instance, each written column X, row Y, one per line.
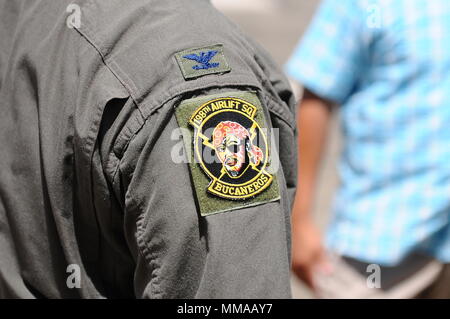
column 203, row 59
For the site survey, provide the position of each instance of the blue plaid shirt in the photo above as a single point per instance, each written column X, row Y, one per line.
column 388, row 64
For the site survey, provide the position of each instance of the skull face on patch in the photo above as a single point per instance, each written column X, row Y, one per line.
column 234, row 148
column 231, row 147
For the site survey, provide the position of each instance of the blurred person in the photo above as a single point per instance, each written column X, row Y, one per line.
column 100, row 195
column 387, row 64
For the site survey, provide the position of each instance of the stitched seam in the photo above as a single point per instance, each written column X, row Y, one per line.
column 269, row 98
column 89, row 37
column 151, row 259
column 185, row 87
column 174, row 93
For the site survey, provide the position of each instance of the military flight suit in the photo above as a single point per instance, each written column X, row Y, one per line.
column 98, row 171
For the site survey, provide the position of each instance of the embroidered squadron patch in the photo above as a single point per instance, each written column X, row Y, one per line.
column 231, row 148
column 230, row 162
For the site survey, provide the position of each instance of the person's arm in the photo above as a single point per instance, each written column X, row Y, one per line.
column 313, row 122
column 329, row 61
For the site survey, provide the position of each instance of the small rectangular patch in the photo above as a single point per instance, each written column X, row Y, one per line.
column 229, row 151
column 202, row 61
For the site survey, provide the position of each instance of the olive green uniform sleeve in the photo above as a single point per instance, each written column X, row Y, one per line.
column 240, row 252
column 193, row 230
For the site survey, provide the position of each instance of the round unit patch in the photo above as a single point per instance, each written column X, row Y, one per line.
column 231, row 148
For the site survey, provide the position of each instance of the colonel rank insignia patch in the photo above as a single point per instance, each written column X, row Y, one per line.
column 229, row 150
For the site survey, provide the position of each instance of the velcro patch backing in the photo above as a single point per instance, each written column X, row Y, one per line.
column 229, row 149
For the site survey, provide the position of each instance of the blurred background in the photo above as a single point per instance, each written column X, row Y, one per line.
column 278, row 25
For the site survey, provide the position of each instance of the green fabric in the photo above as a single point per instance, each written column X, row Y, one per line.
column 208, row 203
column 187, row 65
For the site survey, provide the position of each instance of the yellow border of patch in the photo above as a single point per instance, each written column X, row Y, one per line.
column 231, row 191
